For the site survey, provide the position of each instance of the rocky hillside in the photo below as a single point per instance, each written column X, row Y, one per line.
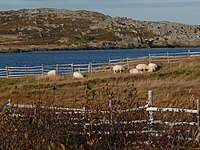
column 39, row 29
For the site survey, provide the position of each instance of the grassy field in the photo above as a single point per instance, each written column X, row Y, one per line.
column 175, row 84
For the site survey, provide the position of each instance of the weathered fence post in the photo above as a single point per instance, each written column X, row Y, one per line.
column 149, row 58
column 6, row 103
column 150, row 113
column 111, row 116
column 110, row 64
column 42, row 69
column 84, row 118
column 57, row 68
column 90, row 67
column 110, row 109
column 25, row 71
column 189, row 55
column 72, row 66
column 7, row 72
column 198, row 121
column 168, row 60
column 127, row 61
column 198, row 114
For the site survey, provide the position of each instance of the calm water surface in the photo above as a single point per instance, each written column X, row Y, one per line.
column 80, row 56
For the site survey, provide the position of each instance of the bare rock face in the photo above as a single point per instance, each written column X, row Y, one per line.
column 30, row 29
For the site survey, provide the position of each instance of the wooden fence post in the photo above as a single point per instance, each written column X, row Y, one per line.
column 90, row 67
column 149, row 58
column 7, row 72
column 110, row 65
column 189, row 55
column 72, row 65
column 127, row 61
column 198, row 120
column 198, row 114
column 150, row 113
column 6, row 103
column 111, row 116
column 42, row 69
column 57, row 68
column 84, row 118
column 168, row 60
column 25, row 71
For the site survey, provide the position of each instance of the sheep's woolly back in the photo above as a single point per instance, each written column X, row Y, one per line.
column 52, row 73
column 142, row 67
column 152, row 67
column 118, row 68
column 78, row 75
column 134, row 71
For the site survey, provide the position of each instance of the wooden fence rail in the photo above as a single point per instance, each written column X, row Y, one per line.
column 160, row 57
column 149, row 109
column 82, row 119
column 60, row 69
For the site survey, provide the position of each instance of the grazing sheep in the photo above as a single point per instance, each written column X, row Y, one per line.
column 78, row 75
column 118, row 68
column 134, row 71
column 152, row 67
column 52, row 73
column 142, row 67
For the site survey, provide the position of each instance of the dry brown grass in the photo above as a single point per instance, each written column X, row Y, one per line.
column 174, row 85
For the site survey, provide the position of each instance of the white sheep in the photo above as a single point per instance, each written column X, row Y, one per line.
column 152, row 67
column 78, row 75
column 118, row 68
column 52, row 73
column 134, row 71
column 142, row 67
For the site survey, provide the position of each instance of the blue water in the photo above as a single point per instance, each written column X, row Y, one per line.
column 80, row 56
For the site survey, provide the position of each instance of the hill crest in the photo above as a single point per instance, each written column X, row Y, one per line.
column 49, row 28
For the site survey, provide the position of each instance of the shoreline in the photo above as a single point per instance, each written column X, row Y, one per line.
column 28, row 49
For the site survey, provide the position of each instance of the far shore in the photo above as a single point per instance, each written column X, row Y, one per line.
column 15, row 49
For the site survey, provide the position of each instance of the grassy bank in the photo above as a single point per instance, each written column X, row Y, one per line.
column 175, row 84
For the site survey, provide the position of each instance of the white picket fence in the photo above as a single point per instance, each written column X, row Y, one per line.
column 95, row 67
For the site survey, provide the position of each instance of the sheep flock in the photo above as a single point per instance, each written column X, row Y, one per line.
column 139, row 68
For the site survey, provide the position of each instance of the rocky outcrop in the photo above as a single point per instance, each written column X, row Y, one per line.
column 38, row 29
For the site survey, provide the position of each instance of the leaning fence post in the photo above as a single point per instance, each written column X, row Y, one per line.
column 6, row 103
column 150, row 113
